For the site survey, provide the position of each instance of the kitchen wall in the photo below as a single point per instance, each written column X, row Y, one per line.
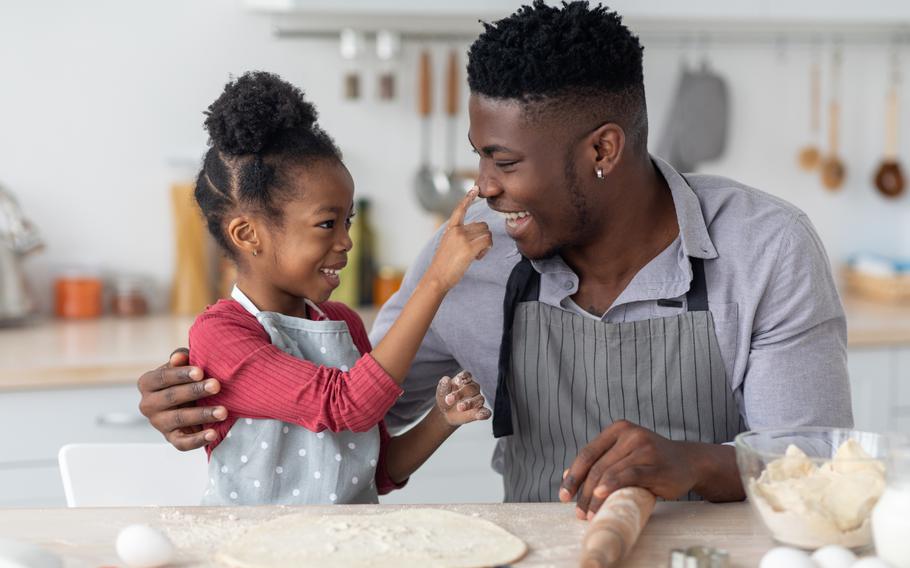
column 101, row 108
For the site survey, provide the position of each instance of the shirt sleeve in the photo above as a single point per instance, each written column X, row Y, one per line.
column 258, row 380
column 797, row 368
column 433, row 359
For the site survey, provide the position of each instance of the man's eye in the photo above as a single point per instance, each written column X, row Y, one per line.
column 506, row 164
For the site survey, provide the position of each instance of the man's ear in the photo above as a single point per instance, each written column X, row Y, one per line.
column 242, row 232
column 608, row 143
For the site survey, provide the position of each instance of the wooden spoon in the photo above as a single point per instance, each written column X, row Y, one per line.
column 809, row 155
column 889, row 180
column 833, row 170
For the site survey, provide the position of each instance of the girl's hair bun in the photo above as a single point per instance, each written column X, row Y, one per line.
column 254, row 110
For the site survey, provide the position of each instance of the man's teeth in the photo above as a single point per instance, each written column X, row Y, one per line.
column 329, row 271
column 514, row 216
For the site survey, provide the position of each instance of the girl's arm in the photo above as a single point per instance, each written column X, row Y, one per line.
column 259, row 380
column 458, row 401
column 460, row 245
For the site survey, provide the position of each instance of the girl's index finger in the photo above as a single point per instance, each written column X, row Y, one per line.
column 457, row 218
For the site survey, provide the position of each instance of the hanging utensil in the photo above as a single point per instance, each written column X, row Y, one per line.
column 810, row 156
column 833, row 170
column 424, row 187
column 889, row 179
column 457, row 184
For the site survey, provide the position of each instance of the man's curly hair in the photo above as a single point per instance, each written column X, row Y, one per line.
column 573, row 59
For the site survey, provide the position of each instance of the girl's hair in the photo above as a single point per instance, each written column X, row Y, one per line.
column 259, row 128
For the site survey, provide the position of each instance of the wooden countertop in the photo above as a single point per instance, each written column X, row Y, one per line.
column 85, row 537
column 116, row 351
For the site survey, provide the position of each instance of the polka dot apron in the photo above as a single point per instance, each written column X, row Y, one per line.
column 263, row 461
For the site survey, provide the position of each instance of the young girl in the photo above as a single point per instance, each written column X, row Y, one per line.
column 305, row 394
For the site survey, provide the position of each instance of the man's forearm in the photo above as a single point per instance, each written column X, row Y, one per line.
column 718, row 475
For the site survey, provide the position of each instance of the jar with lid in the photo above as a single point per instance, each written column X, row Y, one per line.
column 129, row 297
column 77, row 293
column 891, row 515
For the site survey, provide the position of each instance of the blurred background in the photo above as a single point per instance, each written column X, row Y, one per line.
column 101, row 133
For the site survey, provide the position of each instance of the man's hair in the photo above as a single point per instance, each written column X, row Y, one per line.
column 577, row 60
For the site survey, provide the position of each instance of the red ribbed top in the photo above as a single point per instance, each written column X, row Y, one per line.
column 259, row 380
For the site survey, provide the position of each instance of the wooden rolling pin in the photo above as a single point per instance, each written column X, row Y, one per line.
column 616, row 526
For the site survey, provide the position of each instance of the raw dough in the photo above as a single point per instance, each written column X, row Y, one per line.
column 412, row 537
column 809, row 505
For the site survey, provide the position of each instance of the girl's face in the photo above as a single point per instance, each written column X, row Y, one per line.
column 301, row 257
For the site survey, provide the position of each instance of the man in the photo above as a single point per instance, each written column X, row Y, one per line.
column 629, row 321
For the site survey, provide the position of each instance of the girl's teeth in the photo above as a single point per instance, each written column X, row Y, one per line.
column 329, row 271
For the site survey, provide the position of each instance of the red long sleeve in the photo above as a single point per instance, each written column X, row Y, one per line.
column 258, row 380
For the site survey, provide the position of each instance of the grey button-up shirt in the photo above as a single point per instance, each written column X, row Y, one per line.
column 778, row 317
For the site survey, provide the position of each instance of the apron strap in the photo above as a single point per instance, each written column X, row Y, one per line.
column 697, row 297
column 523, row 285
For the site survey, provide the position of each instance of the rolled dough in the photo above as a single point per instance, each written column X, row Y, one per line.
column 426, row 538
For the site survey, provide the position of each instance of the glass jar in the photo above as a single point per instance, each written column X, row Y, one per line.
column 891, row 516
column 77, row 294
column 129, row 297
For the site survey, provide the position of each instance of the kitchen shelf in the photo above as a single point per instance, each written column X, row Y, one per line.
column 656, row 21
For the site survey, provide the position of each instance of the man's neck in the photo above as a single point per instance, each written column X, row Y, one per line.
column 637, row 227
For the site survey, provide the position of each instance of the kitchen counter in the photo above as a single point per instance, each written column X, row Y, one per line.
column 108, row 351
column 85, row 537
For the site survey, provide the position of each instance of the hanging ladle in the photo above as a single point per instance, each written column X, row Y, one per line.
column 889, row 179
column 809, row 155
column 833, row 170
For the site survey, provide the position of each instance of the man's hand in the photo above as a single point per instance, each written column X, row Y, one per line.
column 627, row 455
column 168, row 396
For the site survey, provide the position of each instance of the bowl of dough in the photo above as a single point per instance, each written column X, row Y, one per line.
column 814, row 487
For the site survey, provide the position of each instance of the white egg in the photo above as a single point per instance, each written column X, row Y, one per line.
column 786, row 557
column 870, row 562
column 141, row 546
column 833, row 556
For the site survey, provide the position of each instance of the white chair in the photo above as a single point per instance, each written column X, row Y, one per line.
column 132, row 475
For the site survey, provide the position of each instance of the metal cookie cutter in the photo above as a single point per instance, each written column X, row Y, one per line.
column 699, row 557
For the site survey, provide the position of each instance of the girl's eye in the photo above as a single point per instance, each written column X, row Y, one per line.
column 505, row 164
column 327, row 225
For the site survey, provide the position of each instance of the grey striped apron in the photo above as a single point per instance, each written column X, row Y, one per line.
column 563, row 378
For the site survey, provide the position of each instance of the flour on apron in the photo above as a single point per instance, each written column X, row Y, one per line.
column 268, row 461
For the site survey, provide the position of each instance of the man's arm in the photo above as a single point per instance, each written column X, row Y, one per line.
column 433, row 359
column 796, row 376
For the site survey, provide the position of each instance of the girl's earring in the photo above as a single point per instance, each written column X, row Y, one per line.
column 599, row 172
column 255, row 253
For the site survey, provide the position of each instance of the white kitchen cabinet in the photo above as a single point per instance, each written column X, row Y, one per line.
column 880, row 386
column 35, row 424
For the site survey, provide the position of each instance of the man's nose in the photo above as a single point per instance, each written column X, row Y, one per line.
column 488, row 186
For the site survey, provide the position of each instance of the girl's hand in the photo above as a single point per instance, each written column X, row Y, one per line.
column 460, row 246
column 459, row 400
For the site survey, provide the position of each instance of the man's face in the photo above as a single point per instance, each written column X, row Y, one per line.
column 527, row 172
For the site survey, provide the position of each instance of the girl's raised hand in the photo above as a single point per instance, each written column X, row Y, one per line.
column 460, row 246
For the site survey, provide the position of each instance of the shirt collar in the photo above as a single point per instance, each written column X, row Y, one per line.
column 693, row 231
